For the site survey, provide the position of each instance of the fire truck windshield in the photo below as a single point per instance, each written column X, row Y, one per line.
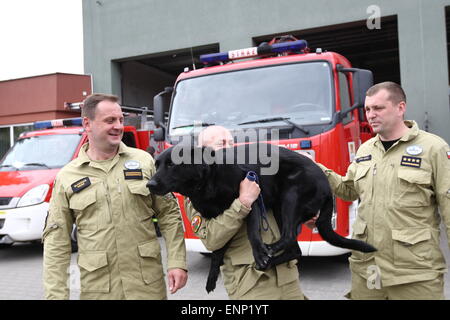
column 40, row 152
column 300, row 92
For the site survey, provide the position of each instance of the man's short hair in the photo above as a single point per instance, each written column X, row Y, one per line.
column 396, row 93
column 91, row 102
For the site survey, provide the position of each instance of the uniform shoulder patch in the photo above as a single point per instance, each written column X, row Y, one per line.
column 81, row 184
column 196, row 222
column 448, row 154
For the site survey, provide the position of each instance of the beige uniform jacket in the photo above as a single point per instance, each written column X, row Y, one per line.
column 119, row 255
column 401, row 191
column 239, row 273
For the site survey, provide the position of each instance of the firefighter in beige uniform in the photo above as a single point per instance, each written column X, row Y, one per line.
column 401, row 191
column 241, row 279
column 119, row 255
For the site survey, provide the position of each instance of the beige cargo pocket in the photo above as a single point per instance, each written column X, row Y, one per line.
column 359, row 233
column 412, row 247
column 150, row 260
column 363, row 185
column 413, row 189
column 84, row 208
column 246, row 276
column 141, row 201
column 94, row 272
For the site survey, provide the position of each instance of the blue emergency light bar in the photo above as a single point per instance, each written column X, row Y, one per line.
column 280, row 47
column 71, row 122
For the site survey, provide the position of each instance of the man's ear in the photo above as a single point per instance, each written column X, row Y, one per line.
column 402, row 108
column 87, row 124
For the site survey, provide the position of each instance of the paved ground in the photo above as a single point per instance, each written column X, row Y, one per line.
column 321, row 278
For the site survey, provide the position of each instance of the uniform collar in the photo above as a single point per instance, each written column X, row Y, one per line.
column 83, row 157
column 413, row 131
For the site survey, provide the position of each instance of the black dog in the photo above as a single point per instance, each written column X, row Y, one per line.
column 295, row 193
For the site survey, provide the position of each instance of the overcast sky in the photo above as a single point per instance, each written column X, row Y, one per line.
column 40, row 37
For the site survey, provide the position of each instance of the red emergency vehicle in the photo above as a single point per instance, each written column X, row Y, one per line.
column 314, row 101
column 29, row 168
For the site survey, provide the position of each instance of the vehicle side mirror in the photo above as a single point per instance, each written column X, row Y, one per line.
column 158, row 134
column 160, row 106
column 362, row 81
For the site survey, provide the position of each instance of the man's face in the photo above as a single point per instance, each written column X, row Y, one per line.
column 106, row 130
column 217, row 139
column 383, row 115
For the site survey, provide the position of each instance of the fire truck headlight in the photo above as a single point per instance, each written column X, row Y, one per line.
column 34, row 196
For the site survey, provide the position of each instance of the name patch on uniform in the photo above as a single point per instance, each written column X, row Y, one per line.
column 365, row 158
column 81, row 184
column 133, row 174
column 414, row 162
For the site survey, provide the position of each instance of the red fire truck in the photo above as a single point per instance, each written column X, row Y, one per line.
column 29, row 168
column 314, row 101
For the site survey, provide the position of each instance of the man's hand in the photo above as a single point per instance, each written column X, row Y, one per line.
column 177, row 279
column 248, row 192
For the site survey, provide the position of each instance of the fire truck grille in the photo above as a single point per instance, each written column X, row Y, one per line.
column 2, row 222
column 5, row 201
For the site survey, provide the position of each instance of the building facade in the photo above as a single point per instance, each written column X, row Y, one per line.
column 135, row 48
column 43, row 97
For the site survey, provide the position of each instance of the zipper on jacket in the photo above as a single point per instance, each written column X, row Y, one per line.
column 108, row 201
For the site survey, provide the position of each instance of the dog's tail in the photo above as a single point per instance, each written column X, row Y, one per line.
column 326, row 231
column 214, row 269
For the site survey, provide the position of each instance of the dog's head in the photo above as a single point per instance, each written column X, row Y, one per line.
column 181, row 169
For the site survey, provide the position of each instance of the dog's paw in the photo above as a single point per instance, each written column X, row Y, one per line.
column 270, row 251
column 262, row 263
column 267, row 250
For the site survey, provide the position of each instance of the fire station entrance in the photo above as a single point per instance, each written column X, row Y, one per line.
column 144, row 77
column 373, row 49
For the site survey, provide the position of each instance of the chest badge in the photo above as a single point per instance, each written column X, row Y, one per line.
column 414, row 150
column 365, row 158
column 414, row 162
column 81, row 184
column 133, row 174
column 132, row 165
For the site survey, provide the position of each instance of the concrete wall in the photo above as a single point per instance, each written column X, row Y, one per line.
column 116, row 29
